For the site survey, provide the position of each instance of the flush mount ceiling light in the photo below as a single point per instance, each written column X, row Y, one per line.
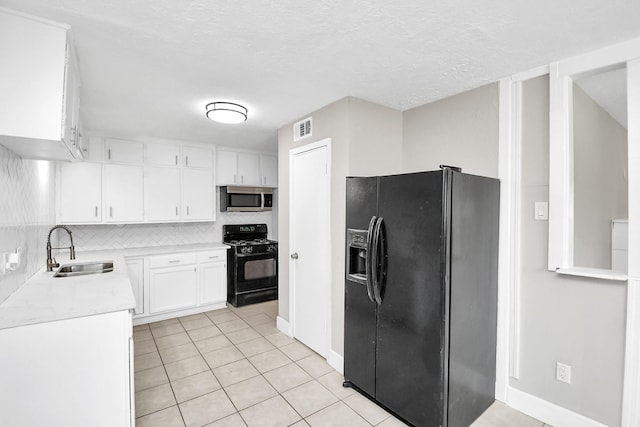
column 226, row 112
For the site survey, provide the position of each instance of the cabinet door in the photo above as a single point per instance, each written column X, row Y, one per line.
column 71, row 113
column 195, row 157
column 32, row 77
column 198, row 195
column 123, row 193
column 226, row 168
column 248, row 169
column 269, row 170
column 80, row 193
column 161, row 154
column 171, row 288
column 213, row 282
column 161, row 194
column 121, row 151
column 135, row 267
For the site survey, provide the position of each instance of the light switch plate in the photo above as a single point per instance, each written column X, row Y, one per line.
column 541, row 211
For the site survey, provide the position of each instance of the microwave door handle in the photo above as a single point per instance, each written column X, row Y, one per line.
column 368, row 260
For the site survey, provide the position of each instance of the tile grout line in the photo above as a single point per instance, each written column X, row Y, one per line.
column 245, row 357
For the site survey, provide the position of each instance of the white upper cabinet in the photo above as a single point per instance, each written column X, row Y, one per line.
column 244, row 168
column 135, row 182
column 39, row 84
column 161, row 194
column 269, row 165
column 198, row 195
column 249, row 169
column 123, row 194
column 226, row 167
column 161, row 154
column 195, row 157
column 122, row 151
column 80, row 193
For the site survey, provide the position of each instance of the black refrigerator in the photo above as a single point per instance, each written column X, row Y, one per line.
column 421, row 294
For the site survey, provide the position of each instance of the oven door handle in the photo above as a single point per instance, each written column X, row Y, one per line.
column 265, row 255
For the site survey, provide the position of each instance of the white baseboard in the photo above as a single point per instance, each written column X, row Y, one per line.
column 283, row 326
column 547, row 412
column 336, row 361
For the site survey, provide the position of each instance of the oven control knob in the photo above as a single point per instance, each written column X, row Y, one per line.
column 246, row 250
column 271, row 248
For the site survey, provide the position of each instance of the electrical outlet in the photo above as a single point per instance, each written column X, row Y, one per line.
column 563, row 373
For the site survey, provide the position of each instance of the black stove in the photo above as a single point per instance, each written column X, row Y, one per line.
column 252, row 264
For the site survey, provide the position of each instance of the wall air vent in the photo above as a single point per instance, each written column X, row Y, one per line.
column 302, row 129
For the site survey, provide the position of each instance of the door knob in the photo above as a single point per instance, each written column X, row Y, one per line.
column 294, row 255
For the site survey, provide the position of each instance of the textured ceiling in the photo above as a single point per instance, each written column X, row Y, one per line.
column 148, row 67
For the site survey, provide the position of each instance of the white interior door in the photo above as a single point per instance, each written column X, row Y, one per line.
column 310, row 260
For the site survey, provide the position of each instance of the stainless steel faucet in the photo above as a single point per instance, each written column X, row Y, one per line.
column 51, row 262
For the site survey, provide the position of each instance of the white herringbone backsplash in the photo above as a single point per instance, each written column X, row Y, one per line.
column 98, row 237
column 26, row 214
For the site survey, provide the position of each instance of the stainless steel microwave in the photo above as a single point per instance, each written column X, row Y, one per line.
column 245, row 199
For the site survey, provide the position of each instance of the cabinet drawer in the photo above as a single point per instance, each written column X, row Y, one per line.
column 172, row 260
column 209, row 256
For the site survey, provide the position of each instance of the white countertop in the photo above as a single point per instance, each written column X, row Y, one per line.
column 44, row 298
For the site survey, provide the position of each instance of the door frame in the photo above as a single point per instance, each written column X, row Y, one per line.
column 324, row 143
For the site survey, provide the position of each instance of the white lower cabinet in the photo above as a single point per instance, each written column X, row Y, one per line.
column 212, row 269
column 178, row 284
column 73, row 373
column 172, row 282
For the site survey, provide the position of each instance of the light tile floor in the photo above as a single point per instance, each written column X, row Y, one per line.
column 232, row 367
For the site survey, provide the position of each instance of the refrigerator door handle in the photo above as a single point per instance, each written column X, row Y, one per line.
column 377, row 258
column 369, row 266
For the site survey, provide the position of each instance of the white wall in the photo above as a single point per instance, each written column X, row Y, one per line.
column 26, row 214
column 461, row 130
column 576, row 321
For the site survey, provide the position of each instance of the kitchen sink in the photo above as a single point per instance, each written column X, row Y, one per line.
column 83, row 269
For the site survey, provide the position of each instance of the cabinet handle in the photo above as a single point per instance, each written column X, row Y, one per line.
column 174, row 261
column 187, row 210
column 176, row 160
column 111, row 211
column 176, row 211
column 186, row 160
column 241, row 179
column 96, row 211
column 109, row 154
column 214, row 257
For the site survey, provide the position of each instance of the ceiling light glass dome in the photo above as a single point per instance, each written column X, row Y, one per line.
column 226, row 112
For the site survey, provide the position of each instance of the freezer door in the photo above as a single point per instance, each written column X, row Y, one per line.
column 360, row 310
column 410, row 344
